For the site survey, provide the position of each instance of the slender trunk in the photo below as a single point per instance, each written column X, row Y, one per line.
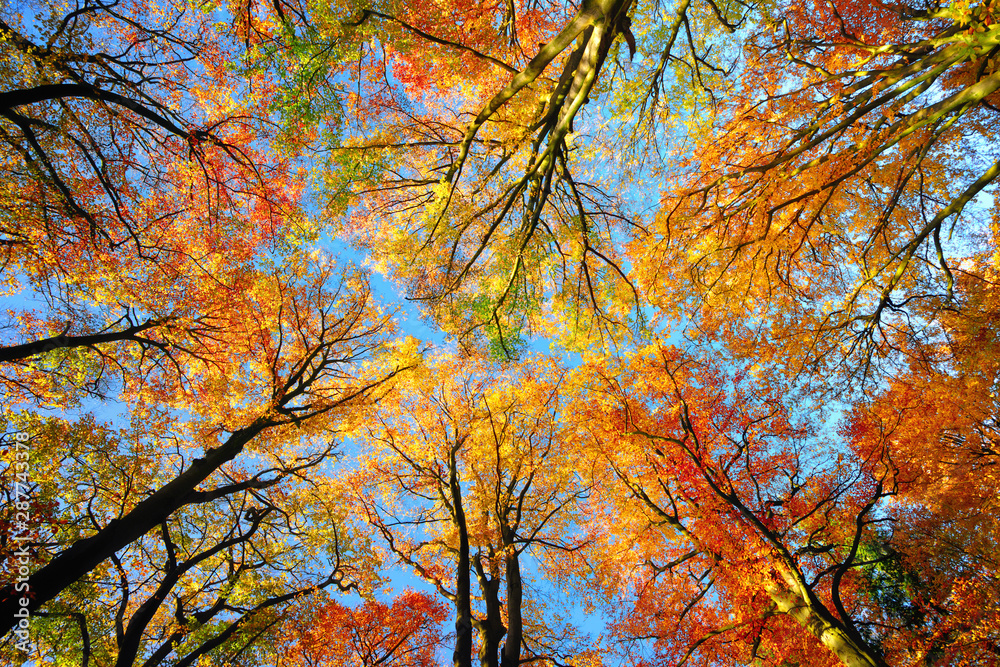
column 463, row 596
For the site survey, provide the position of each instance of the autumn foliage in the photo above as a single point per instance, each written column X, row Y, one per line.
column 713, row 293
column 406, row 632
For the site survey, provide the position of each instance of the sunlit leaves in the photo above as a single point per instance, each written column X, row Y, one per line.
column 839, row 189
column 406, row 632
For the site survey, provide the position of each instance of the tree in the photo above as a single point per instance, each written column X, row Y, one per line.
column 252, row 433
column 476, row 148
column 470, row 151
column 839, row 189
column 469, row 474
column 142, row 190
column 211, row 578
column 938, row 421
column 155, row 212
column 741, row 530
column 406, row 633
column 107, row 105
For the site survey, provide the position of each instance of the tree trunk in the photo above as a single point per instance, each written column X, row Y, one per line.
column 463, row 596
column 512, row 647
column 821, row 625
column 491, row 629
column 84, row 555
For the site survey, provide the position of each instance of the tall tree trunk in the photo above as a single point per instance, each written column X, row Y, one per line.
column 491, row 629
column 512, row 647
column 463, row 596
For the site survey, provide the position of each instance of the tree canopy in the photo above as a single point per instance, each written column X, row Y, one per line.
column 714, row 291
